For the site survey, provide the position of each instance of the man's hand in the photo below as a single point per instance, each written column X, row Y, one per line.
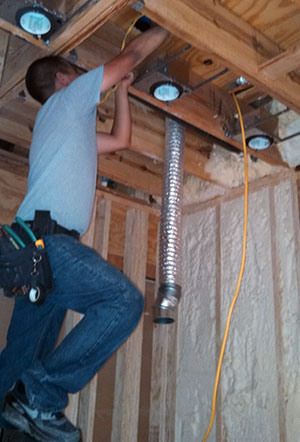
column 120, row 135
column 134, row 53
column 127, row 80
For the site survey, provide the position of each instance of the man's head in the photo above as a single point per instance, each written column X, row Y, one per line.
column 48, row 75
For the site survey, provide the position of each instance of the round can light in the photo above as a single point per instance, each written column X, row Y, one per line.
column 34, row 21
column 240, row 81
column 166, row 91
column 259, row 142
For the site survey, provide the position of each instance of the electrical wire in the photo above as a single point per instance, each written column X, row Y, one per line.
column 242, row 267
column 114, row 88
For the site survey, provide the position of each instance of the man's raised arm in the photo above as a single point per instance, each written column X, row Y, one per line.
column 136, row 51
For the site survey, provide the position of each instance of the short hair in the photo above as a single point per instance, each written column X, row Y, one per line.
column 41, row 76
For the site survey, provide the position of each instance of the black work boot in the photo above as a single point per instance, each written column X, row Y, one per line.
column 42, row 426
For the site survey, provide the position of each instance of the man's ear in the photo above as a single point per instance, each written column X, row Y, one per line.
column 61, row 80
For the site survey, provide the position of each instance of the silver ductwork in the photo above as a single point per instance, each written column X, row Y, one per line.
column 169, row 291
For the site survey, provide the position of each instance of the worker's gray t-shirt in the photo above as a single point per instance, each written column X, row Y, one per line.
column 63, row 155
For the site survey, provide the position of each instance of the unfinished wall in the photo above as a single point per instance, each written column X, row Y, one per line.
column 259, row 394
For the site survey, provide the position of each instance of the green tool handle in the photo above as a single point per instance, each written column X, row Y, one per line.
column 26, row 228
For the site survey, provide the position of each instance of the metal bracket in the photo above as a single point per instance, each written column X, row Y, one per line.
column 138, row 5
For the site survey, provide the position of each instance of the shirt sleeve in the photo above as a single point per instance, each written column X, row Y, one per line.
column 84, row 92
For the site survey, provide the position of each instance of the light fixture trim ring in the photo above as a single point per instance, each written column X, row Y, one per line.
column 166, row 90
column 259, row 142
column 34, row 20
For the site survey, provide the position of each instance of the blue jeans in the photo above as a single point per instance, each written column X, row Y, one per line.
column 85, row 283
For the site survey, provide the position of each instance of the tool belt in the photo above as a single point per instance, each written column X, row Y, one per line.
column 43, row 225
column 24, row 265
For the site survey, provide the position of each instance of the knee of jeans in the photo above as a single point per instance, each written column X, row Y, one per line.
column 136, row 303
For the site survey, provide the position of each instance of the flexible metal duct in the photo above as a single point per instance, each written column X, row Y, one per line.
column 169, row 291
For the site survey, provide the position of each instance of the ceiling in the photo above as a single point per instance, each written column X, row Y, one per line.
column 210, row 45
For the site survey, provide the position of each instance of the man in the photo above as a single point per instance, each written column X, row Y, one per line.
column 62, row 178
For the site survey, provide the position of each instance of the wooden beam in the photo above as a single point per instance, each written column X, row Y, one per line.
column 128, row 368
column 81, row 403
column 190, row 110
column 87, row 397
column 15, row 132
column 226, row 19
column 18, row 32
column 185, row 19
column 81, row 26
column 111, row 166
column 282, row 64
column 128, row 202
column 101, row 237
column 18, row 67
column 4, row 39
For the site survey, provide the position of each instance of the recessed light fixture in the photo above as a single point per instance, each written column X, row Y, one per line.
column 259, row 142
column 166, row 91
column 34, row 20
column 240, row 81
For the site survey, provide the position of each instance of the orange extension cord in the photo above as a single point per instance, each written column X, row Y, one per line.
column 219, row 367
column 114, row 88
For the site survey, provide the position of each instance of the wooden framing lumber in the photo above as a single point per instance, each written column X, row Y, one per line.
column 282, row 64
column 15, row 83
column 81, row 405
column 85, row 23
column 14, row 132
column 226, row 19
column 134, row 177
column 185, row 19
column 101, row 235
column 4, row 38
column 18, row 32
column 190, row 110
column 128, row 367
column 87, row 396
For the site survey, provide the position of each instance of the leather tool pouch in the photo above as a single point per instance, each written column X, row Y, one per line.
column 24, row 272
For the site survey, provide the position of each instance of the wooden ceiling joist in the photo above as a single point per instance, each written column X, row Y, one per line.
column 4, row 38
column 111, row 167
column 81, row 26
column 15, row 132
column 18, row 32
column 190, row 110
column 185, row 19
column 282, row 64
